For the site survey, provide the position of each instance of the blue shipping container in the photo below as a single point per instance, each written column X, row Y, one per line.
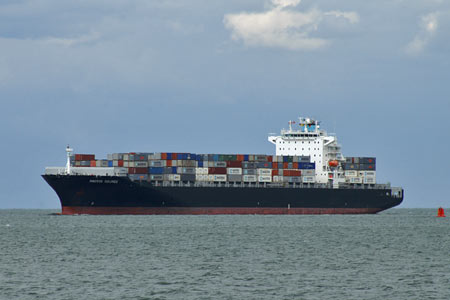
column 216, row 157
column 156, row 170
column 169, row 156
column 110, row 163
column 174, row 170
column 245, row 157
column 306, row 165
column 200, row 164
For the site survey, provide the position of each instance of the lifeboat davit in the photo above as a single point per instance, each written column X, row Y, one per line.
column 333, row 163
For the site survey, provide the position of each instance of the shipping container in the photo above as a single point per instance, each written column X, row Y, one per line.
column 355, row 180
column 138, row 177
column 367, row 167
column 234, row 171
column 260, row 158
column 369, row 180
column 201, row 177
column 351, row 173
column 141, row 164
column 249, row 171
column 275, row 172
column 187, row 177
column 367, row 160
column 141, row 157
column 110, row 163
column 154, row 177
column 220, row 164
column 157, row 163
column 308, row 179
column 234, row 164
column 277, row 178
column 154, row 170
column 309, row 172
column 264, row 178
column 219, row 178
column 249, row 178
column 265, row 172
column 93, row 163
column 126, row 163
column 217, row 171
column 120, row 171
column 260, row 165
column 294, row 179
column 188, row 163
column 80, row 157
column 368, row 173
column 140, row 171
column 126, row 156
column 292, row 173
column 172, row 177
column 183, row 170
column 234, row 178
column 306, row 166
column 249, row 165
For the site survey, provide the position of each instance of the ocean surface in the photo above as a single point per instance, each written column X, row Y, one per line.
column 397, row 254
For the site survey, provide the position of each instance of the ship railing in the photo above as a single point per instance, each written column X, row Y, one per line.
column 396, row 192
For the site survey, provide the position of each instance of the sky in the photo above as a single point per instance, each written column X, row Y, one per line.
column 217, row 77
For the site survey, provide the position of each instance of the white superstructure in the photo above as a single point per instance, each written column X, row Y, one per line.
column 307, row 139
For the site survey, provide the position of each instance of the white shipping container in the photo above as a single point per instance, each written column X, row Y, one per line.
column 368, row 173
column 201, row 171
column 265, row 172
column 369, row 180
column 308, row 179
column 140, row 164
column 249, row 178
column 234, row 171
column 219, row 177
column 308, row 172
column 264, row 178
column 200, row 177
column 351, row 173
column 356, row 180
column 126, row 164
column 277, row 178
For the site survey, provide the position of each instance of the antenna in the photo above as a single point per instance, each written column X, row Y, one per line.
column 69, row 152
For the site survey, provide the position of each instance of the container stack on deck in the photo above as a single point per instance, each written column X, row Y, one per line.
column 360, row 170
column 190, row 167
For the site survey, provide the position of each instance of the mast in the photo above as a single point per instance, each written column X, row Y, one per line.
column 69, row 152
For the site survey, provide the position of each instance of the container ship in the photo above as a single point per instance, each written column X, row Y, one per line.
column 307, row 175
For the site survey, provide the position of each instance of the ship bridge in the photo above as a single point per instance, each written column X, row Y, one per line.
column 306, row 138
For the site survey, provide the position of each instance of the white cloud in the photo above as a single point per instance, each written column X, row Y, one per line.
column 282, row 27
column 428, row 27
column 67, row 42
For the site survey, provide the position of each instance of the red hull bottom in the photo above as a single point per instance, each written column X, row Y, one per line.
column 73, row 210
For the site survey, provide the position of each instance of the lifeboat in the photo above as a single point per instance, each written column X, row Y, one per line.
column 333, row 163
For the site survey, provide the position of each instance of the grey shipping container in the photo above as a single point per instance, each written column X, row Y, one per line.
column 187, row 177
column 235, row 178
column 248, row 165
column 156, row 177
column 138, row 177
column 220, row 164
column 249, row 171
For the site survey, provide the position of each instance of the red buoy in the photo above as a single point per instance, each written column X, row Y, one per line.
column 441, row 212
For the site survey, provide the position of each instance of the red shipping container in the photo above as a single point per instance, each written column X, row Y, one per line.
column 292, row 173
column 169, row 163
column 274, row 172
column 269, row 158
column 274, row 165
column 285, row 165
column 120, row 163
column 217, row 170
column 234, row 164
column 163, row 155
column 240, row 157
column 137, row 170
column 295, row 165
column 93, row 163
column 81, row 157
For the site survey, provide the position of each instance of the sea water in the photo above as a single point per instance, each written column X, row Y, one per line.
column 397, row 254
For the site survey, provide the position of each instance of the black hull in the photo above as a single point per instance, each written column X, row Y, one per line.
column 119, row 195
